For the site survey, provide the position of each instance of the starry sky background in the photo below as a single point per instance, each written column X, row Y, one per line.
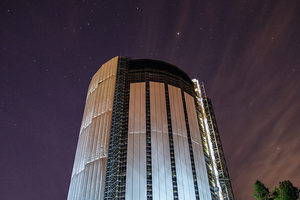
column 247, row 53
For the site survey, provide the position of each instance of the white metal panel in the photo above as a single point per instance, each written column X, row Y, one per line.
column 107, row 130
column 99, row 100
column 181, row 148
column 136, row 184
column 185, row 155
column 73, row 194
column 160, row 161
column 94, row 136
column 98, row 177
column 188, row 172
column 160, row 149
column 178, row 159
column 85, row 147
column 78, row 178
column 94, row 83
column 89, row 172
column 129, row 167
column 83, row 185
column 92, row 180
column 130, row 143
column 104, row 103
column 94, row 140
column 81, row 158
column 99, row 129
column 102, row 177
column 202, row 177
column 136, row 180
column 142, row 169
column 104, row 129
column 110, row 92
column 90, row 139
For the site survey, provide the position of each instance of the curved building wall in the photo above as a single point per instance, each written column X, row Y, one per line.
column 88, row 176
column 140, row 136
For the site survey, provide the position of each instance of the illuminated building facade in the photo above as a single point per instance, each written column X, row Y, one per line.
column 148, row 132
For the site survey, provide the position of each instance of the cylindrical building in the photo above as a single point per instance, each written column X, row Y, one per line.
column 145, row 135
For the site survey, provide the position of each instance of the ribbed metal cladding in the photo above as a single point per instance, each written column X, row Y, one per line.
column 185, row 183
column 88, row 176
column 190, row 144
column 136, row 178
column 142, row 136
column 160, row 147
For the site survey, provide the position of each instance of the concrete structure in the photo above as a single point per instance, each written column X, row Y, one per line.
column 148, row 132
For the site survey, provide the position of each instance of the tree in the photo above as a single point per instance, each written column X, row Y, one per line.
column 261, row 191
column 286, row 191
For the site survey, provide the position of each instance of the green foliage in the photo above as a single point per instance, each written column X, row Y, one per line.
column 261, row 191
column 276, row 194
column 286, row 191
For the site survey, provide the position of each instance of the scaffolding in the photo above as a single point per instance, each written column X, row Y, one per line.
column 219, row 168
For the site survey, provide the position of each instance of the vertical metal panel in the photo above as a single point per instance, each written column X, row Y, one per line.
column 98, row 128
column 89, row 175
column 94, row 136
column 136, row 180
column 107, row 130
column 89, row 170
column 142, row 143
column 103, row 129
column 110, row 96
column 101, row 177
column 202, row 178
column 185, row 182
column 92, row 181
column 136, row 139
column 97, row 179
column 142, row 165
column 160, row 148
column 130, row 143
column 83, row 185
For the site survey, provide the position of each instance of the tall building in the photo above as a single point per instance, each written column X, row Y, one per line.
column 148, row 132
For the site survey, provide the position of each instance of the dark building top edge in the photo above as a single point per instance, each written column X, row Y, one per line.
column 159, row 65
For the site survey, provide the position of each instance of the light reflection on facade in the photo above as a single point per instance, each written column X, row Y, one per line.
column 148, row 133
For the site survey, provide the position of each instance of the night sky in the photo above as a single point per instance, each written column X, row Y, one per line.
column 247, row 53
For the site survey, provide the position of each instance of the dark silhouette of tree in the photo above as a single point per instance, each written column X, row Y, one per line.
column 286, row 191
column 261, row 191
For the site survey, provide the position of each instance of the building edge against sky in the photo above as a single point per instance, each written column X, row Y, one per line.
column 148, row 132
